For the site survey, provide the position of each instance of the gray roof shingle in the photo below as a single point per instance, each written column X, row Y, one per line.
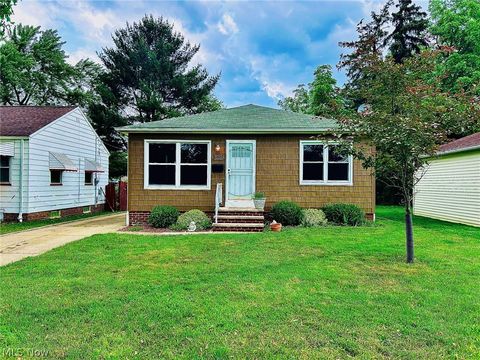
column 242, row 119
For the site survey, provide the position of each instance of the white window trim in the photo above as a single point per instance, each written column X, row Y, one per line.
column 61, row 177
column 326, row 182
column 9, row 167
column 177, row 186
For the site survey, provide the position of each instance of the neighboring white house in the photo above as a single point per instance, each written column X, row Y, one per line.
column 52, row 163
column 450, row 187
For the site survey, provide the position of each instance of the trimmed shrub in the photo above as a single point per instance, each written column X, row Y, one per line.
column 344, row 214
column 163, row 216
column 202, row 221
column 313, row 217
column 287, row 213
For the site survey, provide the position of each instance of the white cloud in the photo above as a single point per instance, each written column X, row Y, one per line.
column 82, row 53
column 35, row 13
column 227, row 25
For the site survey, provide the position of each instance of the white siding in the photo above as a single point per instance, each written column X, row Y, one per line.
column 73, row 136
column 10, row 194
column 450, row 189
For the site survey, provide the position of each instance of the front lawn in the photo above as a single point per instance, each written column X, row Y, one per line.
column 304, row 293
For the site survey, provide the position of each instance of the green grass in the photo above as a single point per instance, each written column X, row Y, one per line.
column 6, row 228
column 334, row 292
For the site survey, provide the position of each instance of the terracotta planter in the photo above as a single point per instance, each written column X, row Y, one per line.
column 276, row 227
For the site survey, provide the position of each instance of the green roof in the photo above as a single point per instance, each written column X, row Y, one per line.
column 246, row 119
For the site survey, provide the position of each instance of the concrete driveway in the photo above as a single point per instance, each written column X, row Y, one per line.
column 14, row 247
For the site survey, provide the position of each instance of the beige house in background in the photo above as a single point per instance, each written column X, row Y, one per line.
column 191, row 161
column 450, row 187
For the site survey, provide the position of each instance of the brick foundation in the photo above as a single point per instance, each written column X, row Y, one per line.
column 138, row 217
column 40, row 215
column 141, row 217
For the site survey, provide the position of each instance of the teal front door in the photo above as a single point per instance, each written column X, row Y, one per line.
column 240, row 184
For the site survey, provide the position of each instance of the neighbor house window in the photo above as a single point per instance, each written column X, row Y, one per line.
column 322, row 164
column 177, row 164
column 4, row 169
column 56, row 177
column 88, row 178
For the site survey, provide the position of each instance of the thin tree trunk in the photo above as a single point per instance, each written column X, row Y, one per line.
column 409, row 234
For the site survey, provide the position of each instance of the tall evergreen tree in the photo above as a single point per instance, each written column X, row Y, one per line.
column 364, row 52
column 409, row 33
column 148, row 74
column 368, row 48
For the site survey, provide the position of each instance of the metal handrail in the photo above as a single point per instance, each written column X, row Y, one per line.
column 218, row 200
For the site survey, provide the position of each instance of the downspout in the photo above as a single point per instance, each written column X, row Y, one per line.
column 79, row 180
column 95, row 181
column 20, row 190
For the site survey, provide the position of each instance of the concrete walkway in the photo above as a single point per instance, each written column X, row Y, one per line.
column 14, row 247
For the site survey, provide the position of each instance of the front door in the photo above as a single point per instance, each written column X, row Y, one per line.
column 240, row 177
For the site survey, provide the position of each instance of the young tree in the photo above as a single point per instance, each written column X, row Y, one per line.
column 148, row 73
column 456, row 24
column 406, row 119
column 35, row 70
column 321, row 97
column 410, row 25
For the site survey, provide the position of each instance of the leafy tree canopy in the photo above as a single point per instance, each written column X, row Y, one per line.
column 6, row 11
column 320, row 97
column 456, row 24
column 35, row 70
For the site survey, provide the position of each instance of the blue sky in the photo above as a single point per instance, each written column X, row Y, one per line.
column 262, row 49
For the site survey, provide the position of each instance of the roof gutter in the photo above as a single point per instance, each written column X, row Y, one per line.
column 448, row 152
column 9, row 137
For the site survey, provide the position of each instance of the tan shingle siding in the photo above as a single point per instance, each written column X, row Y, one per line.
column 277, row 174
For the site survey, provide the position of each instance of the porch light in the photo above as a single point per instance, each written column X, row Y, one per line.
column 217, row 148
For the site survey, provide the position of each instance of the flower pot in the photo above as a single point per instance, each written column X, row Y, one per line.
column 259, row 203
column 276, row 227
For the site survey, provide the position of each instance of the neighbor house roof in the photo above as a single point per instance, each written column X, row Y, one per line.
column 246, row 119
column 466, row 143
column 25, row 120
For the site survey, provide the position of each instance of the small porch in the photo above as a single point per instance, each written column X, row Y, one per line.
column 240, row 215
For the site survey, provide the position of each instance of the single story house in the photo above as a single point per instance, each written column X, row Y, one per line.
column 190, row 161
column 450, row 187
column 52, row 163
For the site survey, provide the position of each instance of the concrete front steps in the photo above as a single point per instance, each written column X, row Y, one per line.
column 239, row 220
